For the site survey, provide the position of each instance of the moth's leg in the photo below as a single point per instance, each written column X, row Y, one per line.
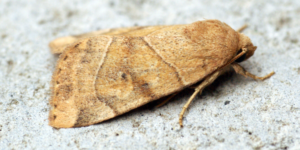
column 242, row 28
column 207, row 81
column 166, row 100
column 240, row 70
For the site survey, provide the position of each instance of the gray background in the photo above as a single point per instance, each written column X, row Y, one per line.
column 260, row 115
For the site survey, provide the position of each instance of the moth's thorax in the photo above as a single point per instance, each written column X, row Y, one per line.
column 245, row 42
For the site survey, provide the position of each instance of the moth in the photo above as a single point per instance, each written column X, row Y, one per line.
column 106, row 73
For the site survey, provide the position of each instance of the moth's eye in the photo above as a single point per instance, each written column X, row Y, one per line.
column 242, row 58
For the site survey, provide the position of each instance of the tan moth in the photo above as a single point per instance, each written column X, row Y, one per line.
column 106, row 73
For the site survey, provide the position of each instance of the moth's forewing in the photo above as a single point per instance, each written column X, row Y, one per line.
column 100, row 77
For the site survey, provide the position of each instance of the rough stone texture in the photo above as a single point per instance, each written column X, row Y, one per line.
column 235, row 113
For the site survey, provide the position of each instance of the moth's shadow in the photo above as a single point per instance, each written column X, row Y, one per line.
column 181, row 96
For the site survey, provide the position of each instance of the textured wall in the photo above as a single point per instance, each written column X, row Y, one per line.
column 260, row 115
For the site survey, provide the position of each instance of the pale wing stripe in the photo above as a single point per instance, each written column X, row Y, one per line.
column 182, row 81
column 111, row 39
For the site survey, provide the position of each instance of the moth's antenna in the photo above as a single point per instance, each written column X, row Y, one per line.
column 242, row 28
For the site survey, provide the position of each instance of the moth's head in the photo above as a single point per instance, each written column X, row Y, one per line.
column 245, row 42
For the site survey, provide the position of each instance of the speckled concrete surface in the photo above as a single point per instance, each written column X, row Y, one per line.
column 238, row 113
